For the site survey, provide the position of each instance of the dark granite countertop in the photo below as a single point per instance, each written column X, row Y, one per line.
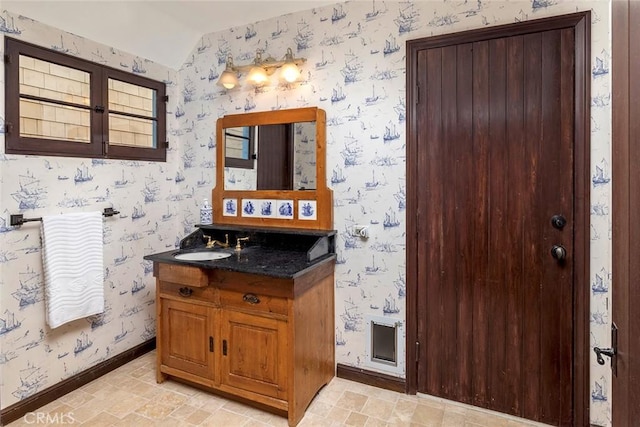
column 275, row 253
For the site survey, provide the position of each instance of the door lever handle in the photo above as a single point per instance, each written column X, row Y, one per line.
column 610, row 352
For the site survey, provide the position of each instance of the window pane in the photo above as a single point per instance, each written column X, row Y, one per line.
column 130, row 98
column 52, row 121
column 53, row 81
column 131, row 131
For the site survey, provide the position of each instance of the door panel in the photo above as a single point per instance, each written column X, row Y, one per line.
column 495, row 152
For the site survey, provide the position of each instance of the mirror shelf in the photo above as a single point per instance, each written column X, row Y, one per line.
column 282, row 205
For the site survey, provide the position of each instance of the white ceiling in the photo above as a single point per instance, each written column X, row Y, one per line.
column 164, row 31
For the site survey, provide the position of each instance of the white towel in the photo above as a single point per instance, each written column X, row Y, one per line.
column 73, row 266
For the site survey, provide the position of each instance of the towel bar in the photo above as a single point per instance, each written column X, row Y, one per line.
column 19, row 219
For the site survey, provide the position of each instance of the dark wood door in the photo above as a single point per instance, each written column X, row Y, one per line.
column 495, row 144
column 275, row 157
column 626, row 205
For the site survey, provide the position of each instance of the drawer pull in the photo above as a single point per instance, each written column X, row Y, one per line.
column 224, row 347
column 185, row 292
column 251, row 299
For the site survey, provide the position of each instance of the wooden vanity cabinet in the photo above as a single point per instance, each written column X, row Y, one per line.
column 263, row 339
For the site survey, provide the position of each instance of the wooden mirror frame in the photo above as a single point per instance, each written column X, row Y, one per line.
column 322, row 195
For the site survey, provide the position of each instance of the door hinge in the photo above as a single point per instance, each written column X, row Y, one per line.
column 165, row 98
column 211, row 344
column 8, row 127
column 105, row 148
column 417, row 351
column 7, row 58
column 166, row 144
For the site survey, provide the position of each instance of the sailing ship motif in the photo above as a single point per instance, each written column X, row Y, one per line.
column 82, row 174
column 401, row 109
column 203, row 47
column 390, row 220
column 390, row 306
column 31, row 380
column 3, row 226
column 407, row 19
column 138, row 67
column 202, row 181
column 599, row 285
column 278, row 32
column 401, row 285
column 121, row 182
column 179, row 112
column 63, row 49
column 100, row 319
column 373, row 268
column 250, row 33
column 223, row 51
column 352, row 68
column 373, row 184
column 351, row 317
column 541, row 4
column 121, row 335
column 601, row 67
column 442, row 20
column 30, row 192
column 337, row 176
column 601, row 176
column 188, row 91
column 598, row 394
column 338, row 14
column 138, row 285
column 9, row 322
column 401, row 197
column 120, row 259
column 149, row 329
column 150, row 190
column 370, row 100
column 351, row 154
column 390, row 46
column 82, row 343
column 390, row 133
column 61, row 355
column 337, row 95
column 303, row 36
column 6, row 356
column 31, row 290
column 137, row 212
column 8, row 26
column 339, row 339
column 374, row 12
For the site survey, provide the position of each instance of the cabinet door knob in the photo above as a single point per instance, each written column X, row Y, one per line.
column 251, row 299
column 185, row 292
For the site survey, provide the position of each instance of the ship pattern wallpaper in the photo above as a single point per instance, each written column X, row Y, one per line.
column 355, row 70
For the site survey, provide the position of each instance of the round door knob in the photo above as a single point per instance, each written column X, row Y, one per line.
column 558, row 252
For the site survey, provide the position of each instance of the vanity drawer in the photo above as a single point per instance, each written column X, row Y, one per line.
column 187, row 292
column 253, row 302
column 183, row 274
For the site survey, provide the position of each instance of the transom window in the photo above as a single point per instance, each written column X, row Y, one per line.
column 59, row 105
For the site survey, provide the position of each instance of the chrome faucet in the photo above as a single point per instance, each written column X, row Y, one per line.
column 241, row 239
column 212, row 243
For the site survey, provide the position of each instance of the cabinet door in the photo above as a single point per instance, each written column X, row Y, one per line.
column 187, row 337
column 254, row 353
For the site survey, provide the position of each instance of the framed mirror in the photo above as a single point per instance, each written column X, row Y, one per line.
column 273, row 170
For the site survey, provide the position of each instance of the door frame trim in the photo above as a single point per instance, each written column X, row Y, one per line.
column 581, row 23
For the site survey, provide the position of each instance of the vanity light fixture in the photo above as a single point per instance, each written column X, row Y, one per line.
column 260, row 69
column 229, row 77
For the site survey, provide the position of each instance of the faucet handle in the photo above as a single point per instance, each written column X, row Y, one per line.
column 241, row 239
column 208, row 242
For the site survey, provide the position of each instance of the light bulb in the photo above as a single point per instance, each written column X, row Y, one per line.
column 290, row 72
column 228, row 79
column 257, row 75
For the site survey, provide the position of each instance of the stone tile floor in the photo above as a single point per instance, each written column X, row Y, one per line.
column 130, row 396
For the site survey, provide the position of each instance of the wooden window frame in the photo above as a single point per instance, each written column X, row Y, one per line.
column 248, row 163
column 99, row 146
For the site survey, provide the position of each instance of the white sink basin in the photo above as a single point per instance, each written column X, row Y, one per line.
column 202, row 256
